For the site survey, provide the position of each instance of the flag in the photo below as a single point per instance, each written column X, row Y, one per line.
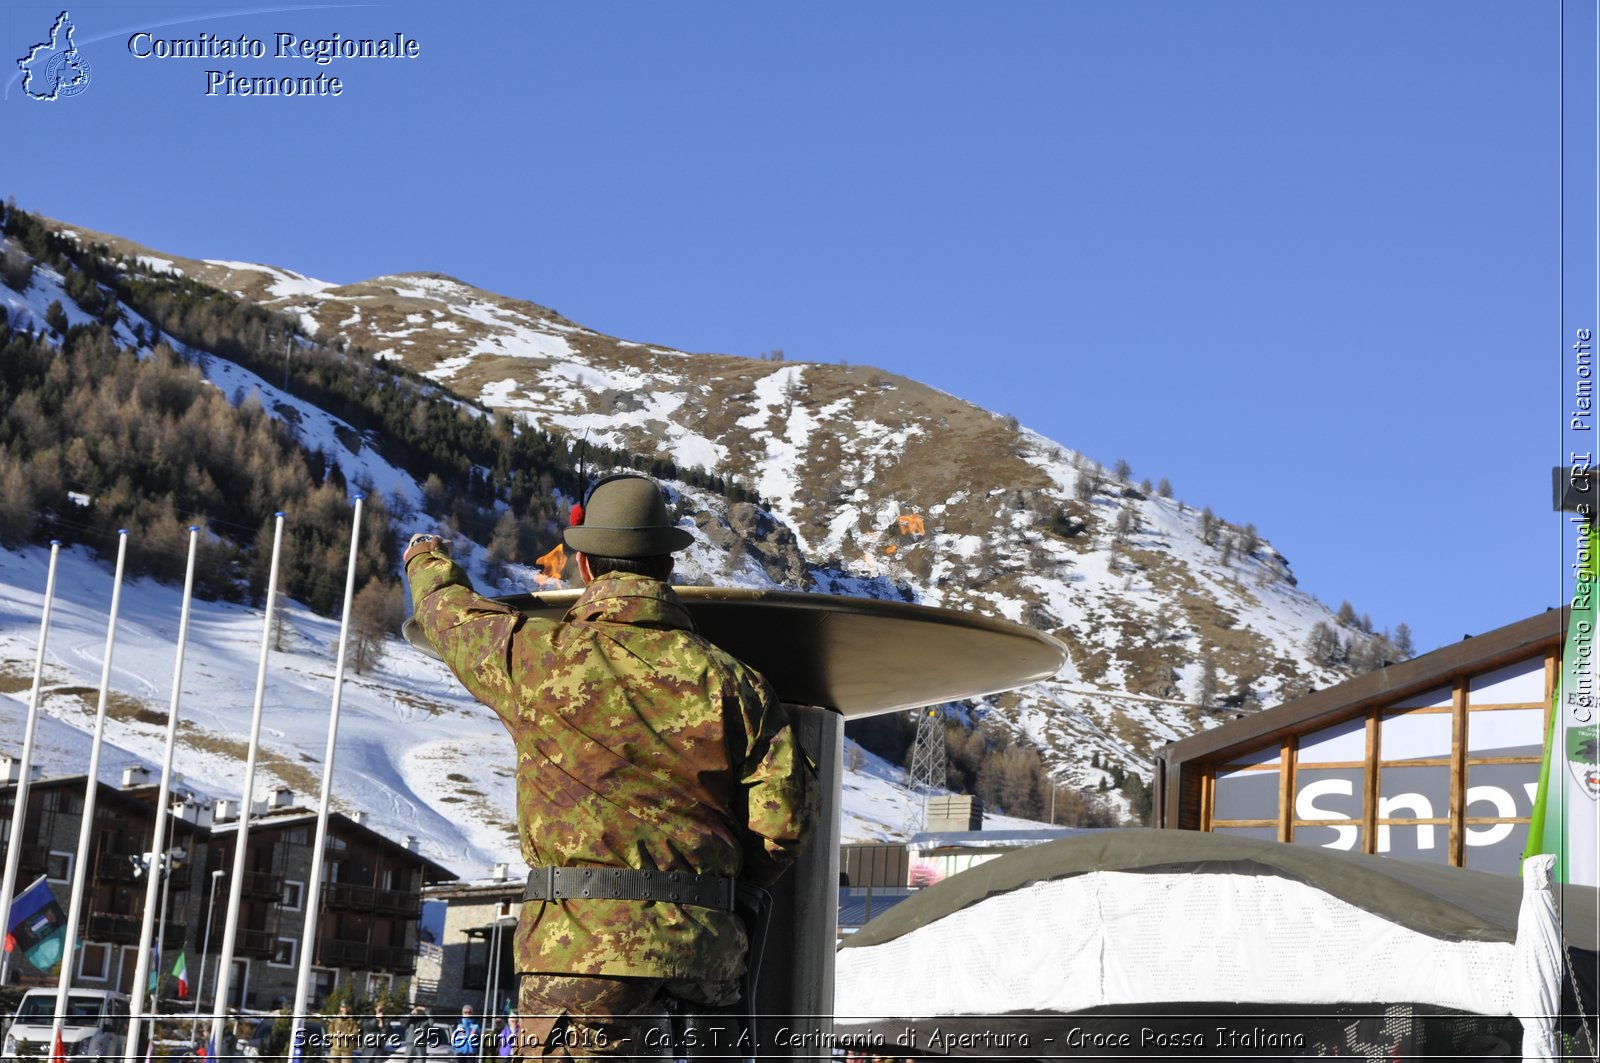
column 58, row 1051
column 180, row 971
column 38, row 926
column 1566, row 810
column 155, row 967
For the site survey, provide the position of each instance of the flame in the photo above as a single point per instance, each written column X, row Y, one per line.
column 911, row 524
column 891, row 548
column 552, row 565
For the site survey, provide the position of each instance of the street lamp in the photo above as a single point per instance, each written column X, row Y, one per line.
column 205, row 947
column 164, row 863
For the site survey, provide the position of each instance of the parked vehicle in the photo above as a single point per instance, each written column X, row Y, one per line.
column 438, row 1041
column 95, row 1025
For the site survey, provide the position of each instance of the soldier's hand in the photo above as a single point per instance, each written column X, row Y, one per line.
column 424, row 537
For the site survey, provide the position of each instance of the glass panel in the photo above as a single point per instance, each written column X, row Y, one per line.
column 1328, row 794
column 1501, row 791
column 1414, row 736
column 1345, row 741
column 1272, row 755
column 1506, row 733
column 1345, row 836
column 1414, row 793
column 1246, row 795
column 1523, row 681
column 1427, row 842
column 1496, row 847
column 1440, row 697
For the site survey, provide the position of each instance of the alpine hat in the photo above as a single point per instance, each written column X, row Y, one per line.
column 626, row 517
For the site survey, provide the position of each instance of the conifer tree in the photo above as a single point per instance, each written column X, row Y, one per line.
column 1322, row 644
column 1249, row 540
column 1206, row 691
column 1403, row 647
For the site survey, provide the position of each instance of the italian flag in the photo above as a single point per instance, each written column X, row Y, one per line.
column 180, row 971
column 1566, row 812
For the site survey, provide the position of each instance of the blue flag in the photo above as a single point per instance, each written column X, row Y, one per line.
column 38, row 926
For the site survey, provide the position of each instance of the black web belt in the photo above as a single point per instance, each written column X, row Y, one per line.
column 629, row 884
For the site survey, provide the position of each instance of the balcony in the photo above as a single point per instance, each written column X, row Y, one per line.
column 257, row 944
column 371, row 899
column 363, row 956
column 124, row 930
column 116, row 860
column 114, row 867
column 262, row 885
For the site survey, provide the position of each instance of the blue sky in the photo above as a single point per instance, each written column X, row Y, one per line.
column 1304, row 260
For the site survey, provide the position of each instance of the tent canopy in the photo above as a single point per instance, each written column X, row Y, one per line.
column 1446, row 902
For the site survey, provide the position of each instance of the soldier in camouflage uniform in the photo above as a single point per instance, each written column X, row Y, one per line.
column 639, row 745
column 344, row 1032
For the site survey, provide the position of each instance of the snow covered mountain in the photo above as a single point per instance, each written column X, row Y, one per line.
column 870, row 484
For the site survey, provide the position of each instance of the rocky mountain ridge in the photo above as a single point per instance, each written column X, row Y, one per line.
column 870, row 482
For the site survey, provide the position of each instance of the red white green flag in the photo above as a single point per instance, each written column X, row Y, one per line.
column 180, row 971
column 1566, row 812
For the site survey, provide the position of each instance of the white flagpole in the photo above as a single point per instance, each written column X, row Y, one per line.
column 8, row 884
column 158, row 845
column 80, row 871
column 219, row 1006
column 308, row 937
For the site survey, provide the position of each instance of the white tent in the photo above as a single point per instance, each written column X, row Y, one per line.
column 1142, row 942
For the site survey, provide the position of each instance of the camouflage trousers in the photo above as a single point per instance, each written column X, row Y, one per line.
column 598, row 1016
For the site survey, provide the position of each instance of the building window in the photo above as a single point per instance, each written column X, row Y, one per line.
column 1447, row 776
column 386, row 879
column 62, row 801
column 283, row 952
column 1329, row 784
column 297, row 836
column 293, row 895
column 94, row 962
column 323, row 981
column 238, row 982
column 58, row 867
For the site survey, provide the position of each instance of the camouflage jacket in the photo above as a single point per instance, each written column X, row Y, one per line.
column 343, row 1032
column 639, row 744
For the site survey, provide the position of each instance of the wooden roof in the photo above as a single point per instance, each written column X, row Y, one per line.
column 1471, row 656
